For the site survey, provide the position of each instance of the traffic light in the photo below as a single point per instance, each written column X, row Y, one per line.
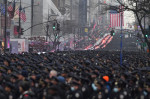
column 18, row 29
column 54, row 26
column 146, row 35
column 22, row 30
column 58, row 27
column 56, row 36
column 113, row 34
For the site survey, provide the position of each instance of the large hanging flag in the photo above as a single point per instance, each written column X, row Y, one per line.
column 115, row 18
column 19, row 10
column 2, row 9
column 10, row 6
column 23, row 15
column 11, row 9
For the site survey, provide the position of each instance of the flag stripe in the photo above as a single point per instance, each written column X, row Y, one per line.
column 115, row 18
column 122, row 17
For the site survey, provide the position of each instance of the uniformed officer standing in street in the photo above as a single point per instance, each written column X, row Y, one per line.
column 75, row 92
column 24, row 90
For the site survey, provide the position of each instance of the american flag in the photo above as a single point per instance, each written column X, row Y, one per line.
column 10, row 7
column 2, row 9
column 22, row 14
column 18, row 10
column 115, row 18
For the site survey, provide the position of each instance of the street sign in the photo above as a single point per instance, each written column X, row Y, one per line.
column 126, row 36
column 86, row 30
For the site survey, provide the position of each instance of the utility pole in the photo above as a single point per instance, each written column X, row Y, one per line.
column 47, row 26
column 5, row 34
column 19, row 33
column 71, row 10
column 32, row 4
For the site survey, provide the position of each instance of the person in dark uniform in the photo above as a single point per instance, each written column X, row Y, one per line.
column 148, row 90
column 98, row 92
column 85, row 88
column 9, row 90
column 75, row 92
column 24, row 90
column 116, row 91
column 141, row 93
column 53, row 93
column 2, row 93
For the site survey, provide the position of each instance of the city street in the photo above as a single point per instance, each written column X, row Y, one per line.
column 74, row 49
column 129, row 44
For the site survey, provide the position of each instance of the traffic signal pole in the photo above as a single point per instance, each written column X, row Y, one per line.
column 19, row 33
column 5, row 34
column 47, row 26
column 32, row 4
column 121, row 42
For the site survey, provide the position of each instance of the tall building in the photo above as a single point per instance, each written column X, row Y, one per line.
column 1, row 1
column 25, row 25
column 82, row 12
column 97, row 13
column 38, row 18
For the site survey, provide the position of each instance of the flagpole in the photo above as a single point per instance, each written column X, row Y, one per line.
column 14, row 8
column 5, row 34
column 121, row 43
column 32, row 8
column 19, row 20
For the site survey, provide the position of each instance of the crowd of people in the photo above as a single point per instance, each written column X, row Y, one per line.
column 75, row 75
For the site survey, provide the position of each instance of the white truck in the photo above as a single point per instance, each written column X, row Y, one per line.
column 19, row 45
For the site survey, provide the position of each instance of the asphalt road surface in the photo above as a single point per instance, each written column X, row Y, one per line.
column 129, row 43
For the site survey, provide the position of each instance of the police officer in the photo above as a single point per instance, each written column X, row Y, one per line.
column 75, row 92
column 98, row 92
column 53, row 93
column 9, row 90
column 24, row 90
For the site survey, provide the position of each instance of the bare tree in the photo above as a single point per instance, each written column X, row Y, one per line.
column 54, row 35
column 141, row 9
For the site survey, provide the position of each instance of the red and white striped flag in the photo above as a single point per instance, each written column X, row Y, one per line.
column 115, row 18
column 23, row 15
column 17, row 11
column 10, row 7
